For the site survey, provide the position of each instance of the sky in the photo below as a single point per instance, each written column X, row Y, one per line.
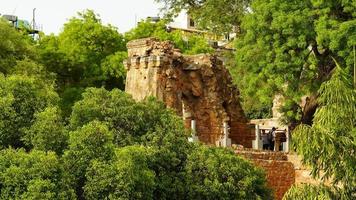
column 52, row 14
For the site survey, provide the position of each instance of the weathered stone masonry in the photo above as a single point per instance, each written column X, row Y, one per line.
column 197, row 87
column 200, row 88
column 279, row 170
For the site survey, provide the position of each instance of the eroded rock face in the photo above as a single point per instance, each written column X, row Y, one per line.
column 197, row 87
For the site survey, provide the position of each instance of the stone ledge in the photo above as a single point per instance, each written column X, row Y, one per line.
column 263, row 155
column 144, row 42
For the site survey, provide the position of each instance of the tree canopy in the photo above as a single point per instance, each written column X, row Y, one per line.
column 14, row 46
column 217, row 173
column 188, row 44
column 78, row 53
column 68, row 131
column 287, row 48
column 21, row 97
column 328, row 146
column 220, row 17
column 31, row 175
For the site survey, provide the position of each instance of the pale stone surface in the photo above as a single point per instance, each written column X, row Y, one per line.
column 197, row 87
column 302, row 172
column 278, row 101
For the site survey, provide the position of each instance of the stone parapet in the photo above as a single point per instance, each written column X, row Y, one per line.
column 263, row 155
column 139, row 47
column 145, row 62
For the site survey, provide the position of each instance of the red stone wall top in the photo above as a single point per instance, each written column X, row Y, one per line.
column 263, row 155
column 279, row 171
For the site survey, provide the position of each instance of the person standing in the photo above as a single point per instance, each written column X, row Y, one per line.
column 271, row 138
column 265, row 141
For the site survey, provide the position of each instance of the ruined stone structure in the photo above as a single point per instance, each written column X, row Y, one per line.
column 281, row 174
column 199, row 88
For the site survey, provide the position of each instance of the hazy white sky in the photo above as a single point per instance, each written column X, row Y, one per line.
column 52, row 14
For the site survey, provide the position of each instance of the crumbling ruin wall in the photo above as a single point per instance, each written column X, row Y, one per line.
column 281, row 174
column 197, row 87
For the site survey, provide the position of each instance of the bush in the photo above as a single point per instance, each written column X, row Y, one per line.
column 217, row 173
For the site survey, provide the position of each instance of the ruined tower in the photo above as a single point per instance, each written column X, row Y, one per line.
column 199, row 88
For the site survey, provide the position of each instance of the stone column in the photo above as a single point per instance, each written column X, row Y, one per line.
column 277, row 141
column 287, row 143
column 257, row 143
column 194, row 137
column 226, row 141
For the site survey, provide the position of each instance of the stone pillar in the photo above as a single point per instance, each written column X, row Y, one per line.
column 226, row 141
column 277, row 141
column 194, row 137
column 257, row 143
column 287, row 143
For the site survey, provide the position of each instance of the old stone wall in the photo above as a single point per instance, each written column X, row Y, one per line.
column 280, row 172
column 303, row 173
column 197, row 87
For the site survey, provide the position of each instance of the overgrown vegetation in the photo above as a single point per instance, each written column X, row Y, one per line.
column 328, row 146
column 288, row 48
column 67, row 131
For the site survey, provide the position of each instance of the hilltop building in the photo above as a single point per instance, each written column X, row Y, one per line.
column 186, row 25
column 23, row 25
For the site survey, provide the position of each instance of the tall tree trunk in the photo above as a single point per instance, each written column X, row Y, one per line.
column 309, row 109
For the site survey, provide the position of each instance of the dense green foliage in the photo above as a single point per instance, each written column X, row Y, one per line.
column 83, row 53
column 328, row 146
column 147, row 123
column 192, row 44
column 310, row 192
column 48, row 131
column 111, row 147
column 127, row 177
column 90, row 142
column 216, row 173
column 20, row 98
column 287, row 47
column 68, row 132
column 14, row 47
column 30, row 175
column 223, row 16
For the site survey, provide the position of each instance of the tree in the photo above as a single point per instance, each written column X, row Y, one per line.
column 131, row 122
column 48, row 131
column 85, row 54
column 188, row 44
column 80, row 50
column 29, row 67
column 306, row 191
column 33, row 175
column 220, row 17
column 217, row 173
column 21, row 97
column 93, row 141
column 146, row 123
column 14, row 46
column 128, row 177
column 145, row 29
column 287, row 48
column 328, row 146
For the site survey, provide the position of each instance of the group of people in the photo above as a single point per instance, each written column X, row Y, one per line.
column 268, row 139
